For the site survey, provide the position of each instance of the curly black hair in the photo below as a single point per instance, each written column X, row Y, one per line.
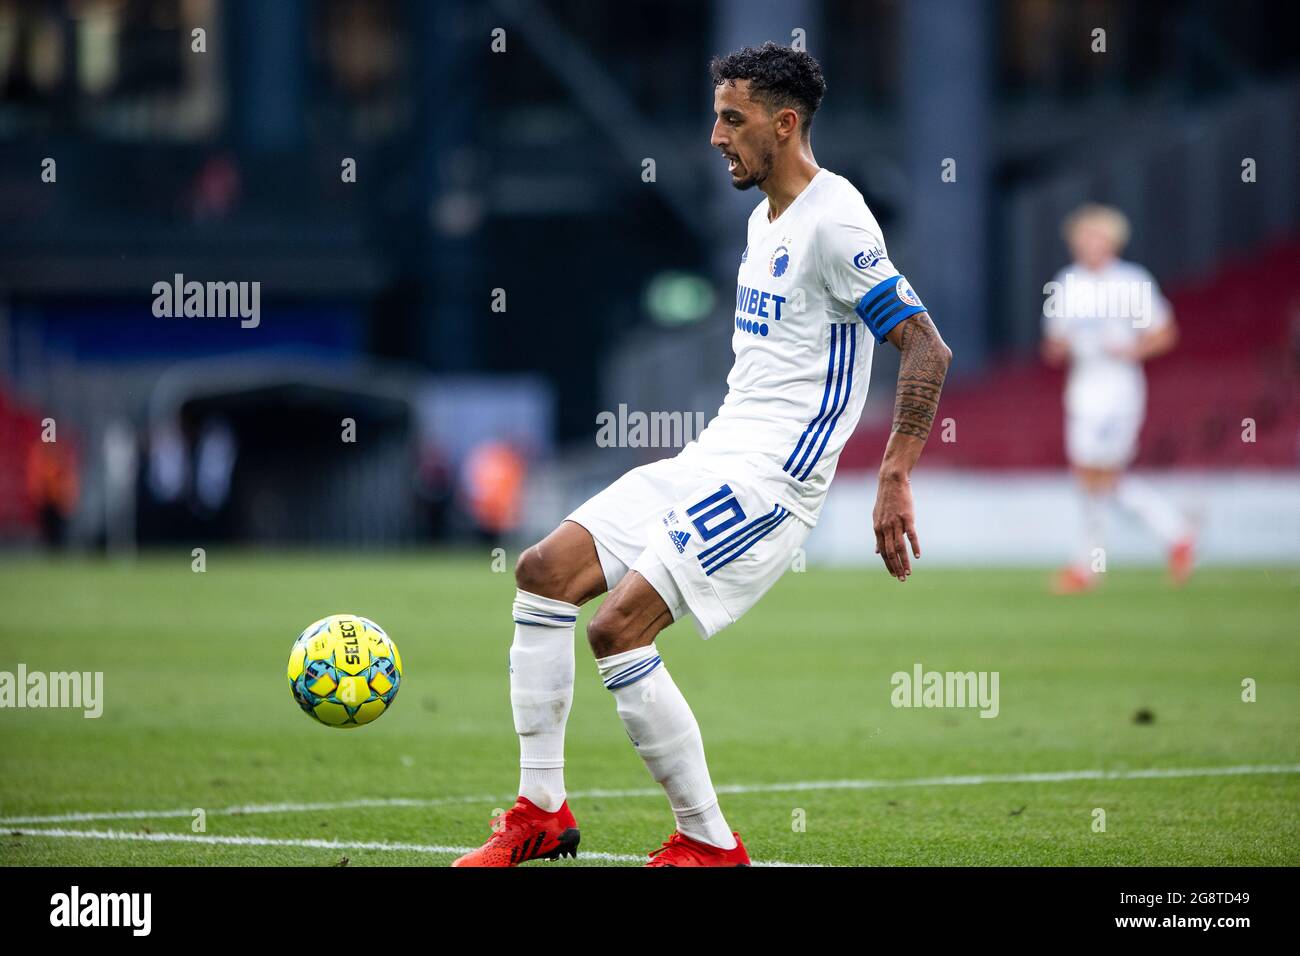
column 779, row 77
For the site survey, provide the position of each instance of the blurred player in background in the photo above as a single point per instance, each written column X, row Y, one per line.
column 1104, row 317
column 53, row 488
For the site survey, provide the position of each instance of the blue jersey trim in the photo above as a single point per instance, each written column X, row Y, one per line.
column 848, row 391
column 838, row 399
column 826, row 394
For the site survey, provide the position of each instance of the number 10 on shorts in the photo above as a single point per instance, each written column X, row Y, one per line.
column 720, row 511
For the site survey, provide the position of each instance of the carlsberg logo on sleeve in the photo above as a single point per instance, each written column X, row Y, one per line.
column 102, row 909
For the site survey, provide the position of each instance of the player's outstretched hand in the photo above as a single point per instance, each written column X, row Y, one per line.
column 895, row 525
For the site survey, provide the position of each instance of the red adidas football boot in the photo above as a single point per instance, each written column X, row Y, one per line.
column 526, row 832
column 1182, row 558
column 1073, row 580
column 683, row 851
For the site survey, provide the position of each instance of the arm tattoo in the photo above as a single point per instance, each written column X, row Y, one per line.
column 920, row 376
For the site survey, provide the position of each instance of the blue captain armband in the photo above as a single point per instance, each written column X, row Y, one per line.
column 887, row 304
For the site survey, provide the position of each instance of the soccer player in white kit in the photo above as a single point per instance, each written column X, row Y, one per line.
column 706, row 533
column 1105, row 317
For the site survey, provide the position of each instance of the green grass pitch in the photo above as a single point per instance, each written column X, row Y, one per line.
column 197, row 714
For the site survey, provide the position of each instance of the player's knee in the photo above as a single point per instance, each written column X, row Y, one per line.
column 534, row 574
column 608, row 632
column 553, row 577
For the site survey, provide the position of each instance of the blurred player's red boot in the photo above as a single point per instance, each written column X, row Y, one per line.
column 1073, row 580
column 1182, row 557
column 527, row 832
column 683, row 851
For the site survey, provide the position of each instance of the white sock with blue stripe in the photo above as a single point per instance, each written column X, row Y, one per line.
column 541, row 693
column 1155, row 512
column 661, row 726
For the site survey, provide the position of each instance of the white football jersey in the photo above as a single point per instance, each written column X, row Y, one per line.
column 1097, row 313
column 815, row 292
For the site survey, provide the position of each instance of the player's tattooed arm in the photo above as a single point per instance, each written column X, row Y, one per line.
column 921, row 373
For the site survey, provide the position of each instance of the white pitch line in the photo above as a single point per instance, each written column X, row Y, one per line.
column 1059, row 776
column 310, row 844
column 1155, row 773
column 235, row 811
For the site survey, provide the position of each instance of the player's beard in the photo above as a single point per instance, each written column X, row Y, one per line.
column 757, row 176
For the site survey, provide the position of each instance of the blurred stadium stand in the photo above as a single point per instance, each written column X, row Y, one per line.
column 522, row 171
column 1239, row 353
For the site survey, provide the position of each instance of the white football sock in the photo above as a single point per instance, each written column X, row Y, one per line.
column 1093, row 529
column 541, row 693
column 1152, row 510
column 661, row 726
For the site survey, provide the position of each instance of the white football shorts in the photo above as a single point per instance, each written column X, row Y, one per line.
column 706, row 533
column 1102, row 440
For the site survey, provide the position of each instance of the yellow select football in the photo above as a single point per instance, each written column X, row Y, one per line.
column 344, row 670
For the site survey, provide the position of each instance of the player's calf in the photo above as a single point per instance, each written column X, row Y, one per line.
column 554, row 577
column 654, row 713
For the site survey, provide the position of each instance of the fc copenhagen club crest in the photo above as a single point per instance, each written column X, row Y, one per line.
column 780, row 261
